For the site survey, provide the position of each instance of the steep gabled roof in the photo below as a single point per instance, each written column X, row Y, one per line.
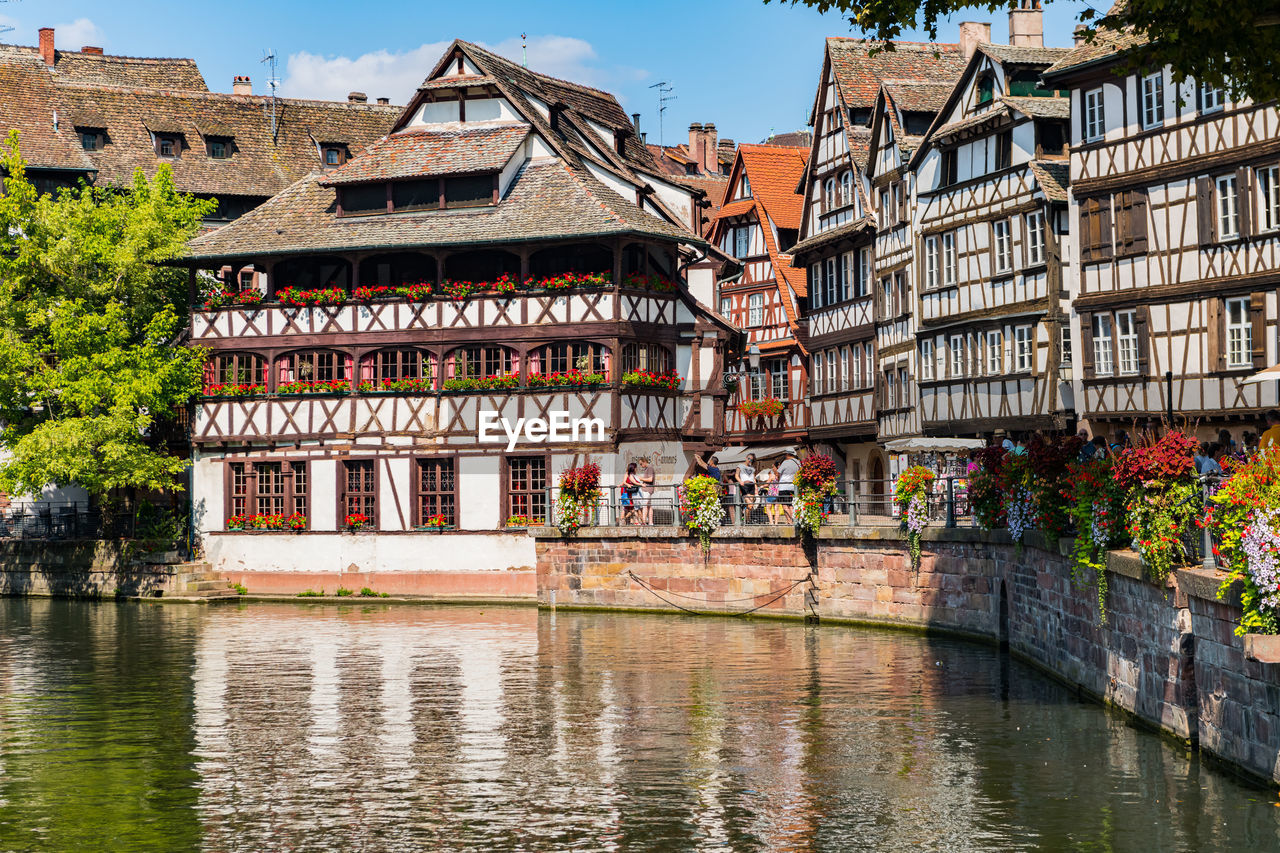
column 1053, row 176
column 106, row 70
column 1009, row 54
column 547, row 200
column 431, row 153
column 859, row 74
column 1107, row 44
column 774, row 171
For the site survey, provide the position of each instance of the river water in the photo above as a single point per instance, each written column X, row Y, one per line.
column 262, row 727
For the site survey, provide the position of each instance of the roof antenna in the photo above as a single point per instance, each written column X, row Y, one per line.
column 269, row 57
column 524, row 50
column 664, row 96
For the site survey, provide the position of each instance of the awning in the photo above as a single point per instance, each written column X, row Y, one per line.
column 730, row 456
column 1271, row 374
column 933, row 444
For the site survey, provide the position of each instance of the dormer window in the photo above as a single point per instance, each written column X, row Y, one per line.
column 986, row 89
column 168, row 145
column 333, row 155
column 220, row 149
column 91, row 139
column 447, row 193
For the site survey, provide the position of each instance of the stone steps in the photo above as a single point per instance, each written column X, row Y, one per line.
column 199, row 581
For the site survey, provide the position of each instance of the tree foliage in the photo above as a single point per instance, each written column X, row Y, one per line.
column 1230, row 44
column 91, row 357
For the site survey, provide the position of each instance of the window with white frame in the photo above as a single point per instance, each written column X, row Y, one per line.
column 995, row 353
column 832, row 383
column 1103, row 363
column 1239, row 333
column 831, row 284
column 779, row 386
column 1269, row 198
column 950, row 264
column 1023, row 352
column 1126, row 343
column 845, row 381
column 926, row 360
column 725, row 306
column 1153, row 100
column 886, row 297
column 745, row 188
column 846, row 187
column 830, row 194
column 957, row 356
column 742, row 241
column 890, row 390
column 1094, row 119
column 1066, row 346
column 862, row 352
column 864, row 272
column 905, row 385
column 849, row 263
column 1212, row 98
column 1002, row 246
column 1228, row 208
column 755, row 309
column 932, row 260
column 1035, row 237
column 882, row 215
column 816, row 373
column 815, row 284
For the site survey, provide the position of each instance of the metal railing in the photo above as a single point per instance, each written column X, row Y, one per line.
column 62, row 521
column 856, row 502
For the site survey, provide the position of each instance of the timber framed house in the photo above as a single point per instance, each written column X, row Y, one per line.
column 991, row 217
column 838, row 243
column 506, row 252
column 1175, row 201
column 758, row 225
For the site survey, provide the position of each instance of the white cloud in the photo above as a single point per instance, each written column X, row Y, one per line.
column 397, row 75
column 77, row 34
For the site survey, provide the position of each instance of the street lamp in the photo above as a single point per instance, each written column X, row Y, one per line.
column 753, row 360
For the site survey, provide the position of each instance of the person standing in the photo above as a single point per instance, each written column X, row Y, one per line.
column 1270, row 439
column 647, row 479
column 787, row 470
column 711, row 468
column 745, row 477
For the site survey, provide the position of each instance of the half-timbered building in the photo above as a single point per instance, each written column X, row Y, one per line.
column 758, row 225
column 1175, row 204
column 990, row 217
column 507, row 252
column 837, row 244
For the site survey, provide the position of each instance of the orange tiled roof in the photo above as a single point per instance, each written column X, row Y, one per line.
column 774, row 172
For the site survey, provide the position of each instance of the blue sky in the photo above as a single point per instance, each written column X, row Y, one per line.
column 748, row 67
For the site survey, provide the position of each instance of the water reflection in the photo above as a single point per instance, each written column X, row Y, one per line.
column 274, row 727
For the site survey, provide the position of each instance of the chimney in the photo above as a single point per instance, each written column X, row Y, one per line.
column 702, row 146
column 384, row 101
column 92, row 51
column 46, row 45
column 1077, row 35
column 972, row 34
column 241, row 85
column 1026, row 24
column 635, row 122
column 357, row 98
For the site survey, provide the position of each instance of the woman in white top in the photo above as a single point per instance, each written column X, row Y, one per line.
column 745, row 477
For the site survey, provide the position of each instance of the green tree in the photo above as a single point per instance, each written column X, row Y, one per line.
column 91, row 320
column 1230, row 43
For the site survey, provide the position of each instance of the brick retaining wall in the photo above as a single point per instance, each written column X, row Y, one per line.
column 1166, row 654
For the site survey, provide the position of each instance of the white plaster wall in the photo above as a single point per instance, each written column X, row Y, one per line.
column 337, row 552
column 479, row 498
column 437, row 112
column 324, row 494
column 206, row 491
column 702, row 284
column 394, row 483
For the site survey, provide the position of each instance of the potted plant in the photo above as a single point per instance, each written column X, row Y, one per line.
column 357, row 521
column 436, row 523
column 911, row 494
column 648, row 380
column 522, row 522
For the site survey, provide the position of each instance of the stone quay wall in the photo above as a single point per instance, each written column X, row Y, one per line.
column 1166, row 653
column 83, row 568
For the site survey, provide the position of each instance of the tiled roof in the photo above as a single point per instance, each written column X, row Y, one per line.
column 918, row 97
column 998, row 111
column 824, row 237
column 424, row 153
column 793, row 138
column 737, row 208
column 859, row 75
column 1023, row 55
column 1041, row 107
column 1053, row 176
column 99, row 69
column 859, row 139
column 261, row 164
column 547, row 200
column 1106, row 43
column 715, row 187
column 774, row 172
column 28, row 103
column 458, row 81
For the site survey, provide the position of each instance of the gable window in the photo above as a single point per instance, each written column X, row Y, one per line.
column 1022, row 352
column 1153, row 100
column 1212, row 98
column 755, row 309
column 829, row 197
column 333, row 155
column 995, row 353
column 168, row 145
column 1094, row 118
column 91, row 140
column 1002, row 246
column 744, row 190
column 267, row 488
column 219, row 149
column 882, row 215
column 950, row 263
column 846, row 187
column 1239, row 333
column 986, row 89
column 926, row 360
column 1035, row 237
column 1103, row 362
column 1228, row 208
column 360, row 490
column 957, row 357
column 1269, row 198
column 742, row 241
column 932, row 258
column 436, row 492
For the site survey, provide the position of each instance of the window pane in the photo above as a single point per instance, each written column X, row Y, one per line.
column 415, row 195
column 470, row 191
column 364, row 199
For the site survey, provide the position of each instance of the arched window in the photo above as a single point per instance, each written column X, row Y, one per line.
column 831, row 194
column 480, row 361
column 651, row 357
column 846, row 187
column 236, row 368
column 315, row 366
column 396, row 365
column 570, row 355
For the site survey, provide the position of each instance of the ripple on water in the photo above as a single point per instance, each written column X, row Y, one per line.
column 290, row 727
